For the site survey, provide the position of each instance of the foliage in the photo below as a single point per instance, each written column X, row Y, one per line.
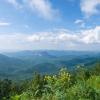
column 83, row 84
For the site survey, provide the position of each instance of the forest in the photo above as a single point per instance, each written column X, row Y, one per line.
column 81, row 84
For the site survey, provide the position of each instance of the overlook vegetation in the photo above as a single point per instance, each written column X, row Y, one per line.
column 82, row 84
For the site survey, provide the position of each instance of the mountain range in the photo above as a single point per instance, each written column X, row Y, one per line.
column 22, row 64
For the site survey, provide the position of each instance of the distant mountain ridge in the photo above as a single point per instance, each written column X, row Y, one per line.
column 29, row 53
column 51, row 53
column 22, row 64
column 10, row 63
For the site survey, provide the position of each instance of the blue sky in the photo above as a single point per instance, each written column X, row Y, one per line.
column 49, row 24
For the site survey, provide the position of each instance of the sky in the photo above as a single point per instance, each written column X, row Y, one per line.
column 50, row 25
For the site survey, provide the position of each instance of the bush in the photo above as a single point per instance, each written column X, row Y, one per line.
column 83, row 85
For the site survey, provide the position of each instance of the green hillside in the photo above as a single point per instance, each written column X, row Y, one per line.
column 83, row 84
column 21, row 65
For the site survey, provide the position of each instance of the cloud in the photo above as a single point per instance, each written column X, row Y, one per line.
column 80, row 22
column 2, row 24
column 90, row 7
column 42, row 7
column 13, row 41
column 52, row 37
column 90, row 36
column 85, row 39
column 14, row 3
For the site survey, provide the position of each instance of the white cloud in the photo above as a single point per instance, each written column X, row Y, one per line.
column 89, row 36
column 14, row 3
column 42, row 7
column 2, row 24
column 85, row 39
column 89, row 7
column 52, row 37
column 80, row 22
column 13, row 41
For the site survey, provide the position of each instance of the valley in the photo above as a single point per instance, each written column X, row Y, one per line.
column 21, row 65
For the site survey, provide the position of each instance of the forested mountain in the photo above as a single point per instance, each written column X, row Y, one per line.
column 82, row 84
column 22, row 64
column 45, row 75
column 52, row 53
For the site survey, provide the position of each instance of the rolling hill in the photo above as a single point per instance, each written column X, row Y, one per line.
column 22, row 64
